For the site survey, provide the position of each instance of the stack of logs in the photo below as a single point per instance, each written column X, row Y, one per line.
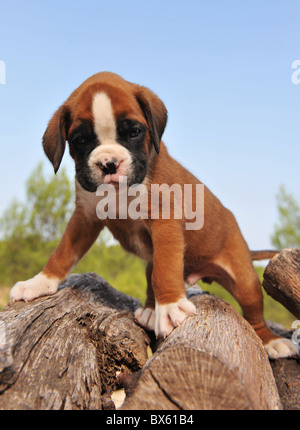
column 72, row 350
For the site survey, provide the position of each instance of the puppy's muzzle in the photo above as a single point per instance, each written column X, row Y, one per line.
column 107, row 163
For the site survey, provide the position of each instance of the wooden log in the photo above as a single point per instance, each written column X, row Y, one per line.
column 282, row 282
column 286, row 372
column 63, row 351
column 214, row 360
column 282, row 279
column 287, row 376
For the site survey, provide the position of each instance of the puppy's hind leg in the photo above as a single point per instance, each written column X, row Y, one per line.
column 245, row 286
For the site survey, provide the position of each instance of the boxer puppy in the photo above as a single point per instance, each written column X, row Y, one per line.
column 114, row 131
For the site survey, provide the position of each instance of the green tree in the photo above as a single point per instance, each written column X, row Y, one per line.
column 31, row 231
column 46, row 211
column 287, row 231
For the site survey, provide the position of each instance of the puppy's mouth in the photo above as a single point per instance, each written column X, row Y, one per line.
column 113, row 173
column 90, row 183
column 111, row 179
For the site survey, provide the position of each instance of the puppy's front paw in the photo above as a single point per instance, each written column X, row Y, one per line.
column 169, row 316
column 40, row 285
column 145, row 317
column 281, row 348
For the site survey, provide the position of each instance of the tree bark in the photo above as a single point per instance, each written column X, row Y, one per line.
column 63, row 351
column 282, row 279
column 282, row 282
column 214, row 360
column 287, row 376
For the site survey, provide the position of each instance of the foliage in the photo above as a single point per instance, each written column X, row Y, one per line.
column 47, row 209
column 287, row 232
column 4, row 295
column 122, row 270
column 30, row 231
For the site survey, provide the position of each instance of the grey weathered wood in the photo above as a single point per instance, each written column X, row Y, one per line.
column 282, row 279
column 63, row 351
column 214, row 360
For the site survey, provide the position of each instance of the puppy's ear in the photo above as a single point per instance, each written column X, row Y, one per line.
column 155, row 113
column 55, row 136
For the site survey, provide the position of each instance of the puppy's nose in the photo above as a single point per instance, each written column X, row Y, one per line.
column 109, row 167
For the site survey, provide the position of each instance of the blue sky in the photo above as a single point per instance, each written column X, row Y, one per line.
column 223, row 70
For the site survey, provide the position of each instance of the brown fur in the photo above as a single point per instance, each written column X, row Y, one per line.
column 216, row 252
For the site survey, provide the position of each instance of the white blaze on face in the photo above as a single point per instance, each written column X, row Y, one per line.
column 106, row 130
column 104, row 119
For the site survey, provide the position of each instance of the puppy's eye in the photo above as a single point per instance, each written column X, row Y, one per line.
column 134, row 132
column 79, row 141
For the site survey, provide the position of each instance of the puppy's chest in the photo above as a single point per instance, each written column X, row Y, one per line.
column 133, row 237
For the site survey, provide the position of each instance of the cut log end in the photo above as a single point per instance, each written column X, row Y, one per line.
column 186, row 379
column 214, row 360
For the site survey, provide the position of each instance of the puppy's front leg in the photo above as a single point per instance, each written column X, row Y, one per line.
column 171, row 305
column 80, row 234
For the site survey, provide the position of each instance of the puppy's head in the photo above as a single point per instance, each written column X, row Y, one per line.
column 113, row 129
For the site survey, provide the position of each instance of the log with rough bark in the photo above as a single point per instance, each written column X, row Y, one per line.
column 282, row 282
column 286, row 372
column 282, row 279
column 63, row 351
column 287, row 377
column 214, row 360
